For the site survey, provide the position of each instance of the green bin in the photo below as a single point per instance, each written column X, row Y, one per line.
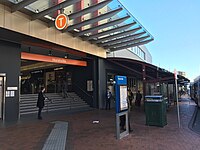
column 155, row 110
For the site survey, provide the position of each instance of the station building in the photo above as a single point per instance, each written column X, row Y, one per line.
column 78, row 53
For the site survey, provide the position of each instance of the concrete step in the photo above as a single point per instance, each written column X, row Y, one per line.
column 31, row 105
column 28, row 103
column 35, row 110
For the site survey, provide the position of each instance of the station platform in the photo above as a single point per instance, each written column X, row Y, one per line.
column 85, row 134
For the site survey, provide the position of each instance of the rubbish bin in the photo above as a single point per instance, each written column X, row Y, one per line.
column 155, row 110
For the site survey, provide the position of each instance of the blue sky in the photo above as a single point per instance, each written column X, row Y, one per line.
column 175, row 26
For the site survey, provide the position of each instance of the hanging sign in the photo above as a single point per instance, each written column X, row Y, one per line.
column 61, row 21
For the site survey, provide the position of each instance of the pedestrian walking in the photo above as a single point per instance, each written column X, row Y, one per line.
column 130, row 97
column 40, row 102
column 108, row 99
column 64, row 89
column 138, row 99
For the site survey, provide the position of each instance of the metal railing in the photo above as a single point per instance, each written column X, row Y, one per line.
column 48, row 100
column 86, row 97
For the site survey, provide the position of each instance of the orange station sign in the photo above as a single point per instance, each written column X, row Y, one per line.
column 61, row 21
column 52, row 59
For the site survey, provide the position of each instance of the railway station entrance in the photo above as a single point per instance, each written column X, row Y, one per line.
column 53, row 77
column 41, row 67
column 63, row 76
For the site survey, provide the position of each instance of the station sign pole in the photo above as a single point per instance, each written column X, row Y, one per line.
column 121, row 106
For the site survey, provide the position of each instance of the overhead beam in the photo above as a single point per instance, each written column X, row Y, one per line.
column 165, row 79
column 127, row 42
column 54, row 47
column 124, row 66
column 54, row 8
column 93, row 20
column 117, row 35
column 131, row 45
column 132, row 36
column 138, row 62
column 102, row 26
column 89, row 9
column 107, row 32
column 21, row 5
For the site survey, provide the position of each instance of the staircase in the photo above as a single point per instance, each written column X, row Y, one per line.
column 72, row 102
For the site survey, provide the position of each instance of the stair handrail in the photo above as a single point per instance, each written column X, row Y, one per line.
column 83, row 91
column 49, row 100
column 65, row 94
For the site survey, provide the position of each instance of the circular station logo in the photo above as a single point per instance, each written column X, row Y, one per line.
column 61, row 22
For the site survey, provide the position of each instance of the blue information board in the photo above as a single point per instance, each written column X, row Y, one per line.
column 121, row 93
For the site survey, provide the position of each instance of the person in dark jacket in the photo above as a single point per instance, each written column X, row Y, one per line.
column 130, row 98
column 138, row 99
column 40, row 102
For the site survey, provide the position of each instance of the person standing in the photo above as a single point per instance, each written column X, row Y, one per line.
column 138, row 99
column 40, row 102
column 64, row 89
column 129, row 113
column 130, row 97
column 108, row 99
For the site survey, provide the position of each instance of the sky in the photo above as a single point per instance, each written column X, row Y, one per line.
column 175, row 26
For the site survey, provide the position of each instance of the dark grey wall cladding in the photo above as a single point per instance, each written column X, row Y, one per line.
column 105, row 67
column 80, row 77
column 102, row 82
column 10, row 64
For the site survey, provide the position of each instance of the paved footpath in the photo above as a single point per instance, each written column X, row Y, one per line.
column 31, row 134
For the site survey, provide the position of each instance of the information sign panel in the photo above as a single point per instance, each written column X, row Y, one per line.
column 123, row 98
column 121, row 93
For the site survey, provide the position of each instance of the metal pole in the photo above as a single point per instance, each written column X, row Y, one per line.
column 47, row 107
column 177, row 104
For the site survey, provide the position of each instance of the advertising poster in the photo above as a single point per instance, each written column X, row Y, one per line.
column 123, row 98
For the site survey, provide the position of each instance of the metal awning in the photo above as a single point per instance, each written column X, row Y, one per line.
column 117, row 35
column 93, row 20
column 106, row 23
column 102, row 26
column 151, row 73
column 54, row 8
column 126, row 42
column 133, row 36
column 108, row 32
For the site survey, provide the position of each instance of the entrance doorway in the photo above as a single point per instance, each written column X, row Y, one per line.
column 54, row 77
column 2, row 91
column 52, row 72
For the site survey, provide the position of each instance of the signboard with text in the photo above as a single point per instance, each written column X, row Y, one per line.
column 121, row 107
column 121, row 93
column 123, row 98
column 52, row 59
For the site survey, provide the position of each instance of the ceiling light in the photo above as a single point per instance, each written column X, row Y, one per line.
column 61, row 68
column 50, row 54
column 66, row 56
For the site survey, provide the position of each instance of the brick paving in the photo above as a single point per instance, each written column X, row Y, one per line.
column 31, row 134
